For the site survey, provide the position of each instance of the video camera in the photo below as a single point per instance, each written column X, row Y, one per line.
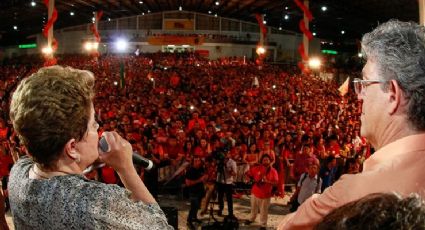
column 220, row 154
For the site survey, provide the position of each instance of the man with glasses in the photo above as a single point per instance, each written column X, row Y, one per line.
column 392, row 93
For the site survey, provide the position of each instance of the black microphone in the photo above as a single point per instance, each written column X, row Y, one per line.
column 137, row 159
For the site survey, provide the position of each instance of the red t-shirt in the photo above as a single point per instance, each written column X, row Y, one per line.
column 108, row 175
column 260, row 189
column 5, row 162
column 3, row 133
column 173, row 151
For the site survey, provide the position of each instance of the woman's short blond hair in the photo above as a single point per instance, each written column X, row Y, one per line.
column 49, row 108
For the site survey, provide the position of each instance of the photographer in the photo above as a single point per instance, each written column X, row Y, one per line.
column 264, row 177
column 226, row 172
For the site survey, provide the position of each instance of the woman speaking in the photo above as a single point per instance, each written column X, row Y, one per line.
column 52, row 112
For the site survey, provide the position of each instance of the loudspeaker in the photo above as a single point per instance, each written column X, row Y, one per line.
column 172, row 216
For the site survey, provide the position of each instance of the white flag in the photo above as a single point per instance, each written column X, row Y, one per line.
column 343, row 89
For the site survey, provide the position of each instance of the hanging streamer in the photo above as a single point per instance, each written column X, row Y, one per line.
column 306, row 32
column 261, row 24
column 95, row 31
column 263, row 29
column 50, row 60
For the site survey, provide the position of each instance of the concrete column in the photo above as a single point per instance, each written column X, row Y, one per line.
column 422, row 12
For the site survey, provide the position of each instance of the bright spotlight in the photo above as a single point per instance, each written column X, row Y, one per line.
column 47, row 50
column 314, row 63
column 95, row 45
column 88, row 46
column 261, row 50
column 274, row 86
column 192, row 107
column 360, row 55
column 115, row 83
column 121, row 45
column 324, row 8
column 33, row 3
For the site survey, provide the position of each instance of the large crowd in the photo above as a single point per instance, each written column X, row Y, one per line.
column 177, row 108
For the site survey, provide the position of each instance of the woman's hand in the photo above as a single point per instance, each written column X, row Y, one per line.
column 120, row 152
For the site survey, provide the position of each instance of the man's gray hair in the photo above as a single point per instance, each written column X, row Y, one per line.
column 398, row 48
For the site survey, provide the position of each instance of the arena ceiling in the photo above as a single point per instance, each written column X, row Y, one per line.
column 21, row 18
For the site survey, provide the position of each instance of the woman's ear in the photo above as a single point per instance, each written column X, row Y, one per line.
column 71, row 151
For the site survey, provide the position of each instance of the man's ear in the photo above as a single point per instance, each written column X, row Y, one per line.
column 395, row 97
column 71, row 151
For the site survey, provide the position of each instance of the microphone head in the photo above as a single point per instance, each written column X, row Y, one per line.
column 103, row 145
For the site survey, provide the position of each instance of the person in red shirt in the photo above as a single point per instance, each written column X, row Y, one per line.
column 264, row 177
column 196, row 120
column 6, row 162
column 4, row 130
column 333, row 148
column 3, row 222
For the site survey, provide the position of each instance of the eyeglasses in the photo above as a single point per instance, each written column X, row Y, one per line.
column 360, row 85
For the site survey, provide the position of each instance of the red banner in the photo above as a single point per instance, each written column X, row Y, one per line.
column 175, row 40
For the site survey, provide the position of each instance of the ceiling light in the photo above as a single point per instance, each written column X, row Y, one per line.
column 47, row 50
column 314, row 33
column 121, row 45
column 260, row 50
column 324, row 8
column 264, row 22
column 217, row 3
column 33, row 3
column 314, row 63
column 140, row 2
column 209, row 12
column 286, row 8
column 280, row 28
column 109, row 19
column 180, row 8
column 342, row 32
column 15, row 27
column 71, row 13
column 286, row 17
